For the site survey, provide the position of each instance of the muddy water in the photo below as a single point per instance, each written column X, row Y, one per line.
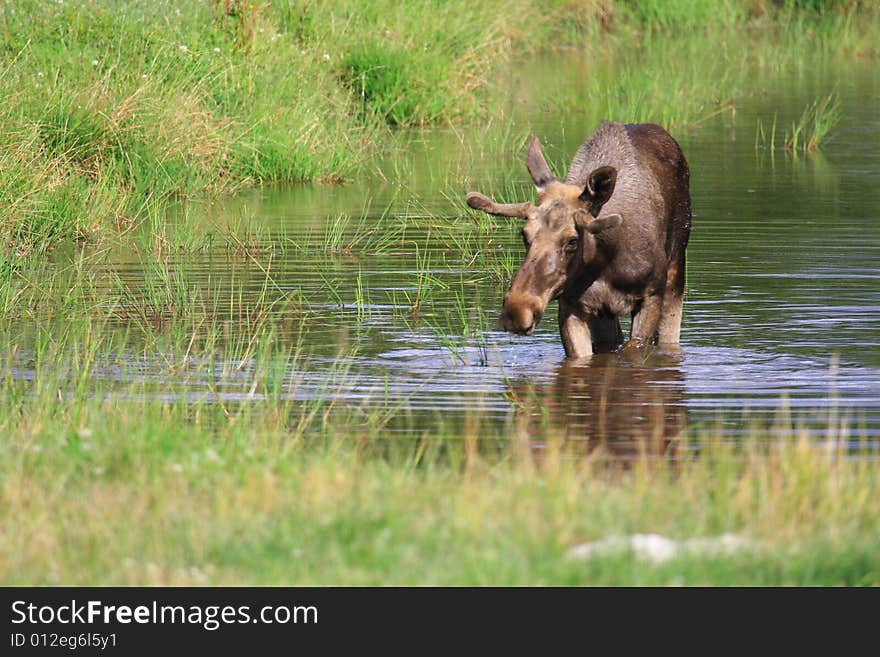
column 783, row 293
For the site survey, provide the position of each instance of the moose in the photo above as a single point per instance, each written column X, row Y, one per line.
column 608, row 240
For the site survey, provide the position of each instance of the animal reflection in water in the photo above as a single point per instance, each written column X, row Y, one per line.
column 626, row 407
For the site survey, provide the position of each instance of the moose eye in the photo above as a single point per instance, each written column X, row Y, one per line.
column 572, row 244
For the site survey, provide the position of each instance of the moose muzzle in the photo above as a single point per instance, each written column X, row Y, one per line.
column 521, row 313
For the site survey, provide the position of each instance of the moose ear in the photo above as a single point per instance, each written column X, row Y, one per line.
column 600, row 186
column 604, row 223
column 537, row 165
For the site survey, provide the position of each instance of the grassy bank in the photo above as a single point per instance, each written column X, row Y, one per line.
column 110, row 110
column 255, row 503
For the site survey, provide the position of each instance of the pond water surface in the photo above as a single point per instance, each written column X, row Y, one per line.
column 782, row 312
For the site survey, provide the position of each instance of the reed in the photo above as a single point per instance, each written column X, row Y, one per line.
column 813, row 126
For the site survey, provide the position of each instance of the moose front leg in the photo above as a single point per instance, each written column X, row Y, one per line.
column 606, row 333
column 646, row 321
column 575, row 332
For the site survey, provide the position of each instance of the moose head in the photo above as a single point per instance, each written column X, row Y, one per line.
column 562, row 234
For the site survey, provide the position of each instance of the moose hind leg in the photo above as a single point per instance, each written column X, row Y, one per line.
column 673, row 301
column 645, row 321
column 670, row 320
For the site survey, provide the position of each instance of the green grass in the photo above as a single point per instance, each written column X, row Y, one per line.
column 246, row 500
column 682, row 14
column 112, row 111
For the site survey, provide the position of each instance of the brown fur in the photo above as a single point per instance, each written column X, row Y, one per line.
column 607, row 241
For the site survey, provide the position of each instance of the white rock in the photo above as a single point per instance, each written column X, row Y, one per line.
column 653, row 547
column 658, row 549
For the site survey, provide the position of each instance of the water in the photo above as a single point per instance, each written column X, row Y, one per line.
column 782, row 308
